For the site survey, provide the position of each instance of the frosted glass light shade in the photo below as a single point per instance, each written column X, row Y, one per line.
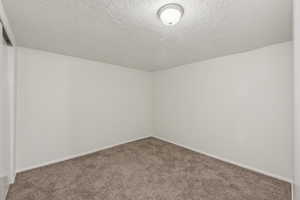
column 170, row 14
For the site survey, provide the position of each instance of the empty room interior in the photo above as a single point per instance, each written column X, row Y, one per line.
column 149, row 100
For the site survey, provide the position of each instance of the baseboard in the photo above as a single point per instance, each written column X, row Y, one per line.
column 231, row 162
column 6, row 191
column 293, row 191
column 158, row 137
column 5, row 185
column 12, row 179
column 77, row 155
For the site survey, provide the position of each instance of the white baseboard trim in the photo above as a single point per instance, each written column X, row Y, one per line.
column 5, row 186
column 229, row 161
column 6, row 191
column 12, row 179
column 158, row 137
column 293, row 191
column 78, row 155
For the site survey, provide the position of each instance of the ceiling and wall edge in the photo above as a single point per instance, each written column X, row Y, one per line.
column 6, row 24
column 130, row 33
column 139, row 69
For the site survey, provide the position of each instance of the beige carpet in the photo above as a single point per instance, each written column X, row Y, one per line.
column 148, row 169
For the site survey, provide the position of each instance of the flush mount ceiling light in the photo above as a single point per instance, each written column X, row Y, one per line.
column 170, row 14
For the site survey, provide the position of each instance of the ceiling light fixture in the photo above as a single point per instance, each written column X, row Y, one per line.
column 170, row 14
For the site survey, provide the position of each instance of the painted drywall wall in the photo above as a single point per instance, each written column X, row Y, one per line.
column 11, row 62
column 4, row 118
column 7, row 117
column 297, row 100
column 68, row 106
column 238, row 108
column 7, row 106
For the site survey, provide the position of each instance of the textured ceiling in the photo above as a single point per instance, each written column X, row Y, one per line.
column 129, row 33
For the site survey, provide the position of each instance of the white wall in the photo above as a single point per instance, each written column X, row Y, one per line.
column 11, row 61
column 7, row 117
column 237, row 107
column 68, row 106
column 7, row 107
column 4, row 118
column 297, row 99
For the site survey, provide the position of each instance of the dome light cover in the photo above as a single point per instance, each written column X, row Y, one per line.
column 170, row 14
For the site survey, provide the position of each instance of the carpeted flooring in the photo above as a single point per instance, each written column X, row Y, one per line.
column 147, row 169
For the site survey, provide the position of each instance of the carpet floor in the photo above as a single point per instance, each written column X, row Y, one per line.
column 147, row 169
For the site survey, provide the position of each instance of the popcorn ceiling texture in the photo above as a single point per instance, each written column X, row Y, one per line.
column 129, row 32
column 146, row 169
